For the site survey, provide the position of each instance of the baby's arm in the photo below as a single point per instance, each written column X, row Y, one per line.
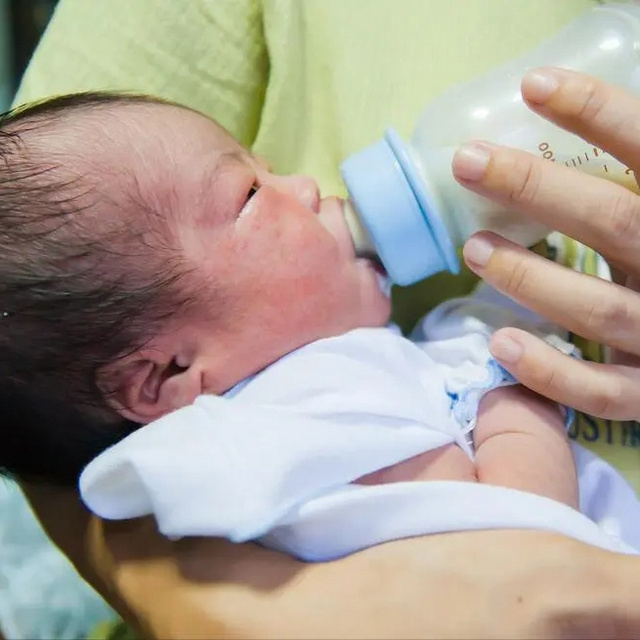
column 521, row 442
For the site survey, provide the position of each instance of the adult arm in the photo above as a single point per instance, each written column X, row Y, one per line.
column 483, row 584
column 67, row 523
column 492, row 584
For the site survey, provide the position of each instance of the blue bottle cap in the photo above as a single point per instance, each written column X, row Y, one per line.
column 398, row 212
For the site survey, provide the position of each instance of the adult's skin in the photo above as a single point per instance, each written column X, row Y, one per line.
column 491, row 584
column 601, row 214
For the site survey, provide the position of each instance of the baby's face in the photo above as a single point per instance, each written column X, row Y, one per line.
column 278, row 256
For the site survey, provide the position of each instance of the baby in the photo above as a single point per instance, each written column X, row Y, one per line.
column 152, row 269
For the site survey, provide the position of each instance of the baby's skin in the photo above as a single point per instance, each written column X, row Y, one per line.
column 520, row 442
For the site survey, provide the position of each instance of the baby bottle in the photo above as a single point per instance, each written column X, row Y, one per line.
column 404, row 204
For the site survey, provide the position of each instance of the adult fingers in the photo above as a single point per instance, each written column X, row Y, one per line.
column 588, row 306
column 601, row 214
column 605, row 391
column 603, row 114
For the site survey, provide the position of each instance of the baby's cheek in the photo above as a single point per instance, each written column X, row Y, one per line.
column 301, row 305
column 294, row 255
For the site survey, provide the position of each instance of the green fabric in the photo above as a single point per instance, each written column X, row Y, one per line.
column 303, row 82
column 306, row 82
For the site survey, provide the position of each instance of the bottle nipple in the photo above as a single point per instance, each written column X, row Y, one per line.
column 364, row 247
column 361, row 240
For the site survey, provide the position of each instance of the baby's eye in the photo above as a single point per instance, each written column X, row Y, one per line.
column 248, row 202
column 252, row 192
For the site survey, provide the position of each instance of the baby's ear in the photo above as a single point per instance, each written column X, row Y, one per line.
column 145, row 386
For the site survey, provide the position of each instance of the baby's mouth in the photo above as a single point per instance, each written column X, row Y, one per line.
column 373, row 258
column 374, row 262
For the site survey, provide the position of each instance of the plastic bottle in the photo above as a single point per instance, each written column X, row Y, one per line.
column 410, row 210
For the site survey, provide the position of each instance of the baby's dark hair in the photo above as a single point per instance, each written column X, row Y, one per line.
column 74, row 293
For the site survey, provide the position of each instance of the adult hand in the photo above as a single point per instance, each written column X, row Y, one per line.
column 599, row 213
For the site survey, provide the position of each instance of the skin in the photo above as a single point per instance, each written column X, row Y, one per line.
column 520, row 442
column 520, row 584
column 601, row 214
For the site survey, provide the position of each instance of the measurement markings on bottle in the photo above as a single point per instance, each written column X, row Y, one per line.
column 580, row 159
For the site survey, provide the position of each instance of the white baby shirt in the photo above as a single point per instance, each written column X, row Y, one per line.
column 273, row 459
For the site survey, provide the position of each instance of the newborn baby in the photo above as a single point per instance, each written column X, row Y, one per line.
column 155, row 273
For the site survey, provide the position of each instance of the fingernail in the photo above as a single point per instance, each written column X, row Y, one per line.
column 478, row 251
column 538, row 85
column 471, row 160
column 506, row 349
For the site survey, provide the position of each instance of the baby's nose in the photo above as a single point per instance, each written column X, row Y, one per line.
column 304, row 188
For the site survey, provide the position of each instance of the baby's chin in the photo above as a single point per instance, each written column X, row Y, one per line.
column 372, row 312
column 383, row 314
column 376, row 311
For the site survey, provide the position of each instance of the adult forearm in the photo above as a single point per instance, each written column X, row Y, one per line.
column 492, row 584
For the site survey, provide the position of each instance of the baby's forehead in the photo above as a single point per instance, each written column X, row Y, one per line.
column 136, row 166
column 164, row 132
column 166, row 161
column 157, row 146
column 130, row 132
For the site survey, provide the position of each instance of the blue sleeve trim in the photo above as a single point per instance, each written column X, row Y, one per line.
column 464, row 405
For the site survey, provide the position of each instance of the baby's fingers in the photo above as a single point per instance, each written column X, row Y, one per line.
column 605, row 391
